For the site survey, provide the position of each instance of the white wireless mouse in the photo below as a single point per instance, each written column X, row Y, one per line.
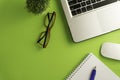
column 111, row 50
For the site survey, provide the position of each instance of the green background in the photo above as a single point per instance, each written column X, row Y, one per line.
column 22, row 59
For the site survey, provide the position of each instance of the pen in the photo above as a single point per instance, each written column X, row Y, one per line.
column 93, row 73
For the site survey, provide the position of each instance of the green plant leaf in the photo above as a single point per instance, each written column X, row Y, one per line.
column 37, row 6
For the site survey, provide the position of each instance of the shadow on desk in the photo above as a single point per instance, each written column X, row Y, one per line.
column 64, row 21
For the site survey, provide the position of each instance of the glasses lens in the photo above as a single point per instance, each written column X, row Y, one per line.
column 50, row 19
column 44, row 39
column 47, row 38
column 41, row 38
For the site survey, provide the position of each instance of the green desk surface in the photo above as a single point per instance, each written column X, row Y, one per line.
column 22, row 59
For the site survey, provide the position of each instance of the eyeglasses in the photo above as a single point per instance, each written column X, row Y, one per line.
column 48, row 23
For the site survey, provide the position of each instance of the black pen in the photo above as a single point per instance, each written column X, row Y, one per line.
column 93, row 73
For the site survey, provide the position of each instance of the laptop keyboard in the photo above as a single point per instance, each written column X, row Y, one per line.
column 81, row 6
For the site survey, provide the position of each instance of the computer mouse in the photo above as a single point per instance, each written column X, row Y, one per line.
column 111, row 50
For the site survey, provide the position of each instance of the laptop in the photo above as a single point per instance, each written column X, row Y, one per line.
column 91, row 18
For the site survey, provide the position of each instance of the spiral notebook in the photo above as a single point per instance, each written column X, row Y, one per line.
column 83, row 71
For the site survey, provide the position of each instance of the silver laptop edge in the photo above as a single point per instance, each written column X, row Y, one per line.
column 93, row 23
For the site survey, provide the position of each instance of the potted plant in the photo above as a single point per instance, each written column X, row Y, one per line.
column 37, row 6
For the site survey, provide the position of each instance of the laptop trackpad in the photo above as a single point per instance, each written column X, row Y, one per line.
column 109, row 17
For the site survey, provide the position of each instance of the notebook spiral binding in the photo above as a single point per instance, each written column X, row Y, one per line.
column 76, row 69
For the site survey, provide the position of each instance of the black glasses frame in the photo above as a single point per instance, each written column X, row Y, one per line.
column 45, row 35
